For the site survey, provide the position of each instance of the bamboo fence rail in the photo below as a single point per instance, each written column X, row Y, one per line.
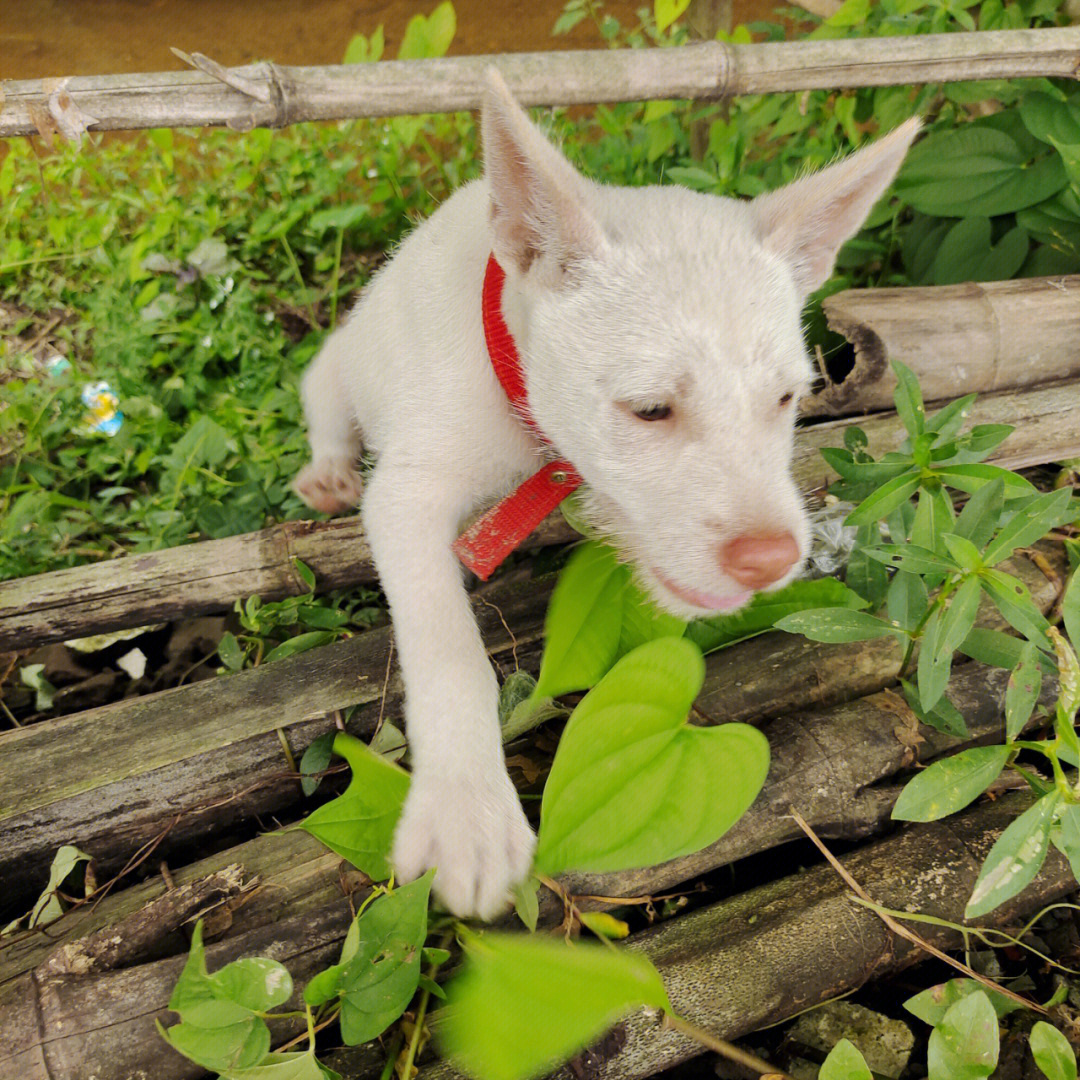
column 270, row 95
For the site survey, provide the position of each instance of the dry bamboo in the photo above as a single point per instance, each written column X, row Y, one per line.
column 209, row 576
column 194, row 579
column 842, row 757
column 199, row 758
column 268, row 95
column 764, row 947
column 958, row 339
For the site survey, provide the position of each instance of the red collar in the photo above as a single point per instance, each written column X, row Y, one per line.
column 498, row 531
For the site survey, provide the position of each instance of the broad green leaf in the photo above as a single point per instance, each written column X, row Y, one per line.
column 667, row 11
column 232, row 656
column 1070, row 609
column 219, row 1029
column 220, row 1049
column 632, row 783
column 964, row 1046
column 948, row 420
column 958, row 619
column 765, row 609
column 865, row 576
column 286, row 1066
column 359, row 824
column 230, row 995
column 979, row 517
column 584, row 621
column 837, row 624
column 47, row 907
column 886, row 499
column 1052, row 1052
column 1028, row 525
column 993, row 647
column 1050, row 120
column 379, row 981
column 1065, row 835
column 974, row 476
column 908, row 399
column 944, row 716
column 643, row 621
column 1025, row 683
column 429, row 36
column 931, row 1005
column 1068, row 672
column 316, row 759
column 971, row 170
column 522, row 1005
column 950, row 784
column 844, row 1063
column 300, row 643
column 933, row 518
column 1015, row 858
column 1011, row 597
column 906, row 600
column 843, row 463
column 913, row 559
column 963, row 551
column 934, row 666
column 527, row 902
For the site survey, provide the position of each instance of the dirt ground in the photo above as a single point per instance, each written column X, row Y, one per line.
column 53, row 38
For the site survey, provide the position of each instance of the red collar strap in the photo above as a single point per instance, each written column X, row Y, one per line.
column 500, row 530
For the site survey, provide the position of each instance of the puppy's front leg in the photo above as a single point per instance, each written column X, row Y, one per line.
column 462, row 814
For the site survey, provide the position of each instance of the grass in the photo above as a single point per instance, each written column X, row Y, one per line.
column 196, row 273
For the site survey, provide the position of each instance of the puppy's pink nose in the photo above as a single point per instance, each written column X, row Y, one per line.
column 758, row 559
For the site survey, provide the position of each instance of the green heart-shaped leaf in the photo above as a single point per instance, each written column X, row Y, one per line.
column 522, row 1004
column 359, row 824
column 633, row 784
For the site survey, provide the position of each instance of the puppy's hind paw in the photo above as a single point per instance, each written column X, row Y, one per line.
column 475, row 833
column 329, row 485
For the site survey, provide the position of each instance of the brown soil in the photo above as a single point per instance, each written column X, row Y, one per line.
column 46, row 38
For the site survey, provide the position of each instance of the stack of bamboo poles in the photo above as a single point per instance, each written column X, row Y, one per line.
column 179, row 766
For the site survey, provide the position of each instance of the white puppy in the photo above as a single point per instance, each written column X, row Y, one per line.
column 660, row 343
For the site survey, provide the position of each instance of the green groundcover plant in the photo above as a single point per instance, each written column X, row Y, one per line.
column 199, row 293
column 203, row 292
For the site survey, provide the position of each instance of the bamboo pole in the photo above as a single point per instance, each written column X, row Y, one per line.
column 958, row 339
column 842, row 755
column 269, row 95
column 763, row 947
column 209, row 576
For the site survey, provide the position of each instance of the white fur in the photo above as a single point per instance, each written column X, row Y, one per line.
column 618, row 299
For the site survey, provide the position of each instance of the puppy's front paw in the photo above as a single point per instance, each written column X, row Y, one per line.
column 329, row 485
column 475, row 833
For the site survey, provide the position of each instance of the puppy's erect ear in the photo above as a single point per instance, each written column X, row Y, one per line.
column 806, row 222
column 538, row 200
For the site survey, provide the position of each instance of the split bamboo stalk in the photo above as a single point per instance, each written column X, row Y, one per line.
column 199, row 758
column 958, row 339
column 763, row 947
column 194, row 579
column 842, row 756
column 209, row 576
column 268, row 95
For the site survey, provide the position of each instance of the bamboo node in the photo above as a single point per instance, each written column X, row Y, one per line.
column 230, row 77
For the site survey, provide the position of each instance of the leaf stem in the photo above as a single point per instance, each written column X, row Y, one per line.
column 722, row 1046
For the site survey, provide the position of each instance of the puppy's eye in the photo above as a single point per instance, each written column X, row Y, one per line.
column 787, row 399
column 653, row 412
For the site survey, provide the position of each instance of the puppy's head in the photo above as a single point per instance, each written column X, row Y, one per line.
column 660, row 335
